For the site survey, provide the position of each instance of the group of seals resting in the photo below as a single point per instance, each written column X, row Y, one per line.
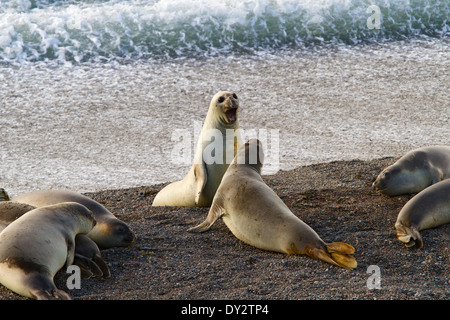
column 257, row 216
column 424, row 171
column 46, row 230
column 108, row 232
column 42, row 231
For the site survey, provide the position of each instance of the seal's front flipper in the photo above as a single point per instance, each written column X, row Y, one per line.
column 55, row 294
column 88, row 267
column 42, row 287
column 201, row 176
column 4, row 195
column 215, row 212
column 409, row 236
column 102, row 265
column 337, row 253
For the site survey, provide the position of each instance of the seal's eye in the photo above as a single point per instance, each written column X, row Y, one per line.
column 235, row 96
column 221, row 99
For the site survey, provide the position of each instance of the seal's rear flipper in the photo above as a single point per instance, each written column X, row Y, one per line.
column 410, row 236
column 3, row 195
column 337, row 253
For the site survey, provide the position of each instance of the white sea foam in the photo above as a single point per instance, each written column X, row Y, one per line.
column 79, row 31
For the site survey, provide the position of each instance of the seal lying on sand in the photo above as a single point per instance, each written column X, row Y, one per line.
column 38, row 244
column 415, row 171
column 87, row 253
column 257, row 216
column 108, row 232
column 428, row 209
column 201, row 182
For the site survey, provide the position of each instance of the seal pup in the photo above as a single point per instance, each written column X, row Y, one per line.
column 198, row 187
column 428, row 209
column 415, row 171
column 257, row 216
column 108, row 232
column 35, row 246
column 87, row 254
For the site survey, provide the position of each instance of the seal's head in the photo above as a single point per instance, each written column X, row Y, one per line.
column 226, row 104
column 112, row 233
column 251, row 154
column 395, row 180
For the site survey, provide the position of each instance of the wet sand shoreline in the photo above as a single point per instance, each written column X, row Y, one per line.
column 93, row 127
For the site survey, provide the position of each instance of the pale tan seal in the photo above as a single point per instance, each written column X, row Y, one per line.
column 87, row 254
column 415, row 171
column 257, row 216
column 428, row 209
column 108, row 232
column 201, row 182
column 35, row 246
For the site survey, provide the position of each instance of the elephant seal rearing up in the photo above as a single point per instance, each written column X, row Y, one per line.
column 210, row 163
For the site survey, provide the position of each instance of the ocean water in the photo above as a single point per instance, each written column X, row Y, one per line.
column 98, row 94
column 100, row 30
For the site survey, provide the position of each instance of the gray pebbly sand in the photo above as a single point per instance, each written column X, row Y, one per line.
column 335, row 199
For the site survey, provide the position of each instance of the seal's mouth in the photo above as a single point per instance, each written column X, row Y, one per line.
column 231, row 115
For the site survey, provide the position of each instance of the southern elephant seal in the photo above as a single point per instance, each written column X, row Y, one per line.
column 198, row 187
column 257, row 216
column 415, row 171
column 87, row 254
column 108, row 232
column 35, row 246
column 428, row 209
